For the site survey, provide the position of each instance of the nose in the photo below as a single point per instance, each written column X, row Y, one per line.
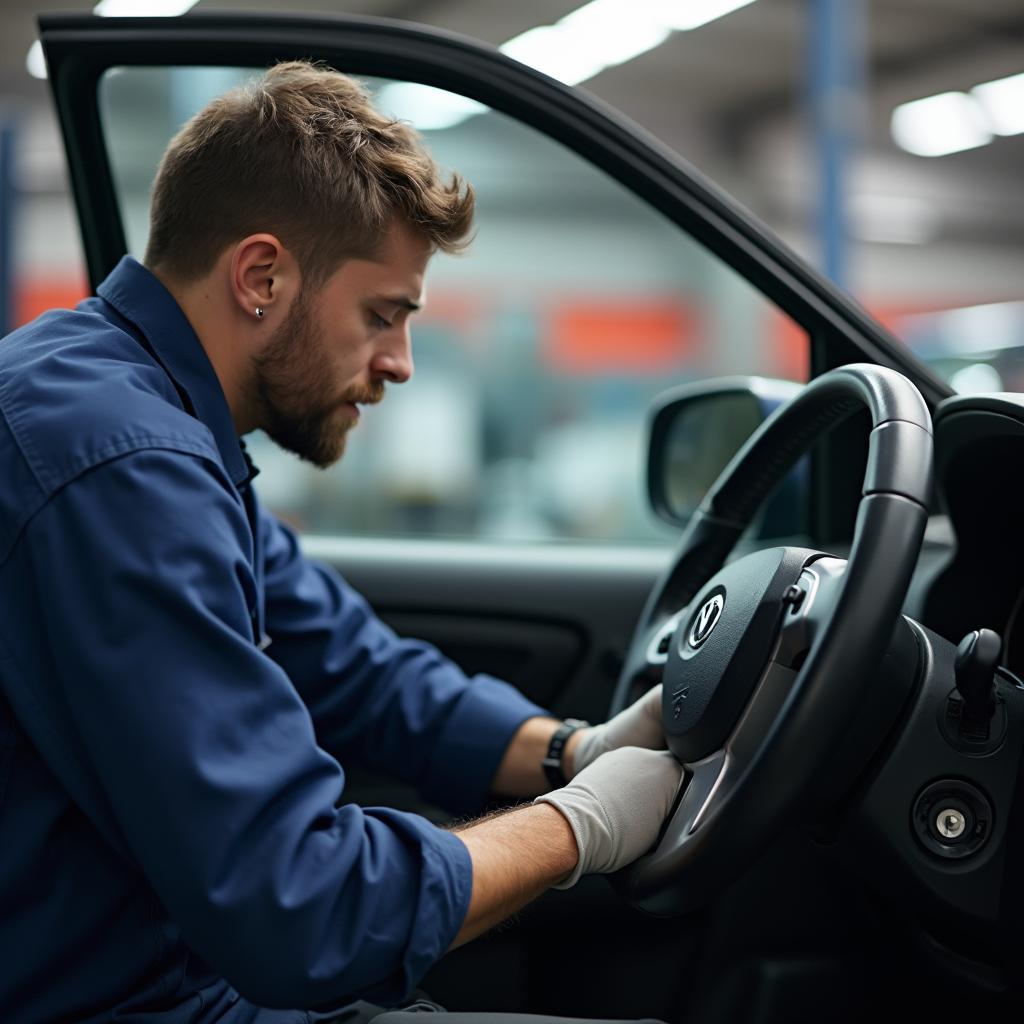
column 392, row 360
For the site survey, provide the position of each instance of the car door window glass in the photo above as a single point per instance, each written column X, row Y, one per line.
column 538, row 352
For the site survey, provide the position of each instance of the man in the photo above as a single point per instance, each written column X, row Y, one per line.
column 179, row 687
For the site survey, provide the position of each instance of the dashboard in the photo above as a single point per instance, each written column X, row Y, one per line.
column 973, row 577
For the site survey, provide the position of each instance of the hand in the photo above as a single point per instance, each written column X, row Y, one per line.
column 616, row 807
column 639, row 725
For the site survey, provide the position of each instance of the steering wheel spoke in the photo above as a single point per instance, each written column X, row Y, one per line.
column 656, row 652
column 707, row 785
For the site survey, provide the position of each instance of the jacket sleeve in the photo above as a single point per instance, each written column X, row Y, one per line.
column 396, row 705
column 201, row 758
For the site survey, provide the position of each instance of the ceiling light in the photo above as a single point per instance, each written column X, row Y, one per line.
column 1003, row 102
column 615, row 31
column 604, row 33
column 143, row 8
column 594, row 37
column 35, row 61
column 937, row 125
column 554, row 51
column 686, row 16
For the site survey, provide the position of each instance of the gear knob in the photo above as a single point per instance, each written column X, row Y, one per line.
column 975, row 668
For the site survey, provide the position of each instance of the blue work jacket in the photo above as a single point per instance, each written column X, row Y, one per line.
column 179, row 688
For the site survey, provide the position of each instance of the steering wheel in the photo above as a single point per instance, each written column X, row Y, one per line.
column 763, row 662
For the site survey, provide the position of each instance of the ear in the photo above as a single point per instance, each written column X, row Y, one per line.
column 264, row 275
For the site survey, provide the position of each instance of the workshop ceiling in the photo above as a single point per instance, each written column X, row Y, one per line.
column 731, row 96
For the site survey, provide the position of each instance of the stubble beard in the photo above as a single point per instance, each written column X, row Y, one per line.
column 292, row 385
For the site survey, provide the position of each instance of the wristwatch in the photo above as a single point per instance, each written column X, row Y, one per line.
column 552, row 763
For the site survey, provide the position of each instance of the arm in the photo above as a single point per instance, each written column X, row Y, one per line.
column 520, row 772
column 392, row 704
column 399, row 706
column 609, row 815
column 141, row 683
column 516, row 857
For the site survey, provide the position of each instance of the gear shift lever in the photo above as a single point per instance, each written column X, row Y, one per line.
column 975, row 669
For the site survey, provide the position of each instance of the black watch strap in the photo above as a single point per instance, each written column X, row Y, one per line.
column 552, row 763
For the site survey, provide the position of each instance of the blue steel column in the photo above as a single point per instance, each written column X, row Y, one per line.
column 7, row 138
column 836, row 87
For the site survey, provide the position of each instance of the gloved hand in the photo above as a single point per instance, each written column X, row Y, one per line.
column 616, row 806
column 639, row 725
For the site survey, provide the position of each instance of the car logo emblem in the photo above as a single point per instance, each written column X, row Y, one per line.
column 707, row 619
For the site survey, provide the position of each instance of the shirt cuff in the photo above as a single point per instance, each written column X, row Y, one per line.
column 473, row 742
column 435, row 888
column 446, row 885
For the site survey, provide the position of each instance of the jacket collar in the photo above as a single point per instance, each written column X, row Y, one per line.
column 140, row 298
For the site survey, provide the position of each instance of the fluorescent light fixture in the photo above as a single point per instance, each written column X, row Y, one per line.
column 555, row 51
column 598, row 35
column 691, row 14
column 955, row 121
column 35, row 62
column 604, row 33
column 615, row 31
column 426, row 107
column 1003, row 103
column 143, row 8
column 947, row 123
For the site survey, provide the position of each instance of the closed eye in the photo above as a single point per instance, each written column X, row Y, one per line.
column 376, row 320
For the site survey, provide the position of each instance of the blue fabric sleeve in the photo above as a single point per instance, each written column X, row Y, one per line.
column 391, row 704
column 198, row 755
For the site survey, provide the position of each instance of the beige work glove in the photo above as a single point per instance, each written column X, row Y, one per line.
column 639, row 725
column 616, row 807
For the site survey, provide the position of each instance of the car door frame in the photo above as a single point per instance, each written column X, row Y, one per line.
column 80, row 48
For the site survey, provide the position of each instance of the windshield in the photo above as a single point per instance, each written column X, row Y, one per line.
column 974, row 348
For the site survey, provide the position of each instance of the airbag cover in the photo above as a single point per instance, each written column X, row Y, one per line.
column 721, row 646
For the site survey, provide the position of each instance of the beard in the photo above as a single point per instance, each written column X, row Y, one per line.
column 292, row 385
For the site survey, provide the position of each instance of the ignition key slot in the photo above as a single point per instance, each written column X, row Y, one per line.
column 952, row 818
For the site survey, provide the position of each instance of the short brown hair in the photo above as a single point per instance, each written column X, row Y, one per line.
column 299, row 152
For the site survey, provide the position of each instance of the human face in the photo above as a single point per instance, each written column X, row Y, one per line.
column 338, row 349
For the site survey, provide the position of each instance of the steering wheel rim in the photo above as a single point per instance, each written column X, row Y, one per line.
column 776, row 732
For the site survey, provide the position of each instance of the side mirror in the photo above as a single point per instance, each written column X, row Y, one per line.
column 696, row 429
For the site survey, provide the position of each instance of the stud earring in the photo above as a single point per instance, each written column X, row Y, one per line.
column 259, row 312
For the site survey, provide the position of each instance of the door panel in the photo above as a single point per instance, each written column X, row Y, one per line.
column 535, row 656
column 578, row 603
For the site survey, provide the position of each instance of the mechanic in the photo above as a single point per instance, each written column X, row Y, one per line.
column 179, row 686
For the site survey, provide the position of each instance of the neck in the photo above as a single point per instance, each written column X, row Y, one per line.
column 211, row 318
